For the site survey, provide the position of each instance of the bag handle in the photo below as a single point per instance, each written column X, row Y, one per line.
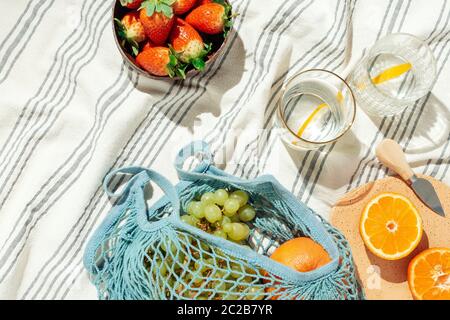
column 141, row 176
column 191, row 150
column 205, row 170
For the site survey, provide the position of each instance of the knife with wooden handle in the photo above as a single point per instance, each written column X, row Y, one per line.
column 392, row 156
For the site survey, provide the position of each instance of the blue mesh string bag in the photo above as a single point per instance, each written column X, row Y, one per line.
column 142, row 252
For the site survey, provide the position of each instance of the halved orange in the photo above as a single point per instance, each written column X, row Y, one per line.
column 429, row 275
column 391, row 226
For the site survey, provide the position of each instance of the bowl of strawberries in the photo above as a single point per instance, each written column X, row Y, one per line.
column 171, row 38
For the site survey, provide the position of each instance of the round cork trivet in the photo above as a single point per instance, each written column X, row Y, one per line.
column 381, row 279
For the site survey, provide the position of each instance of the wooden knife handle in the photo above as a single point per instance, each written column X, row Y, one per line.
column 392, row 156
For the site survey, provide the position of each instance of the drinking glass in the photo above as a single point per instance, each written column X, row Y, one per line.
column 317, row 107
column 396, row 72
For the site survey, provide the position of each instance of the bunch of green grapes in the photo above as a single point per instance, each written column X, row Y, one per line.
column 222, row 213
column 204, row 278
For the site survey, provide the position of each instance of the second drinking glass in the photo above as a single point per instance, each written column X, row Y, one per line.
column 396, row 72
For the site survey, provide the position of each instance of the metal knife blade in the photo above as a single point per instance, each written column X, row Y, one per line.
column 426, row 192
column 391, row 154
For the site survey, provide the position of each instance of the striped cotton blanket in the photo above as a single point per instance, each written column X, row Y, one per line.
column 71, row 111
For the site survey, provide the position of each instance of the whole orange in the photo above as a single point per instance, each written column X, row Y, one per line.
column 301, row 254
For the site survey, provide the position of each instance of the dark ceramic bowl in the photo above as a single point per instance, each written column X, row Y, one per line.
column 218, row 43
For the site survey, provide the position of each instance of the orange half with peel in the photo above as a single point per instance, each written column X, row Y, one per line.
column 429, row 275
column 391, row 226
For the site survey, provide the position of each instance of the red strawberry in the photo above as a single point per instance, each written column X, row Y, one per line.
column 204, row 2
column 131, row 4
column 180, row 7
column 155, row 60
column 210, row 18
column 131, row 31
column 160, row 61
column 157, row 18
column 188, row 44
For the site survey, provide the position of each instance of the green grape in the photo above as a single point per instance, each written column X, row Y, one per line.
column 208, row 198
column 202, row 266
column 224, row 221
column 213, row 213
column 195, row 219
column 195, row 209
column 210, row 263
column 194, row 277
column 239, row 232
column 251, row 271
column 241, row 196
column 255, row 293
column 220, row 254
column 197, row 265
column 231, row 206
column 204, row 246
column 172, row 249
column 235, row 218
column 198, row 280
column 171, row 282
column 219, row 285
column 221, row 195
column 221, row 234
column 190, row 220
column 219, row 274
column 236, row 271
column 227, row 227
column 163, row 270
column 190, row 207
column 247, row 213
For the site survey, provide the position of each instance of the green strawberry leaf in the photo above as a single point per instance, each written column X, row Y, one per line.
column 175, row 68
column 135, row 51
column 181, row 73
column 171, row 72
column 207, row 49
column 173, row 61
column 120, row 28
column 169, row 2
column 126, row 42
column 160, row 6
column 167, row 10
column 174, row 53
column 149, row 6
column 227, row 27
column 198, row 64
column 134, row 47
